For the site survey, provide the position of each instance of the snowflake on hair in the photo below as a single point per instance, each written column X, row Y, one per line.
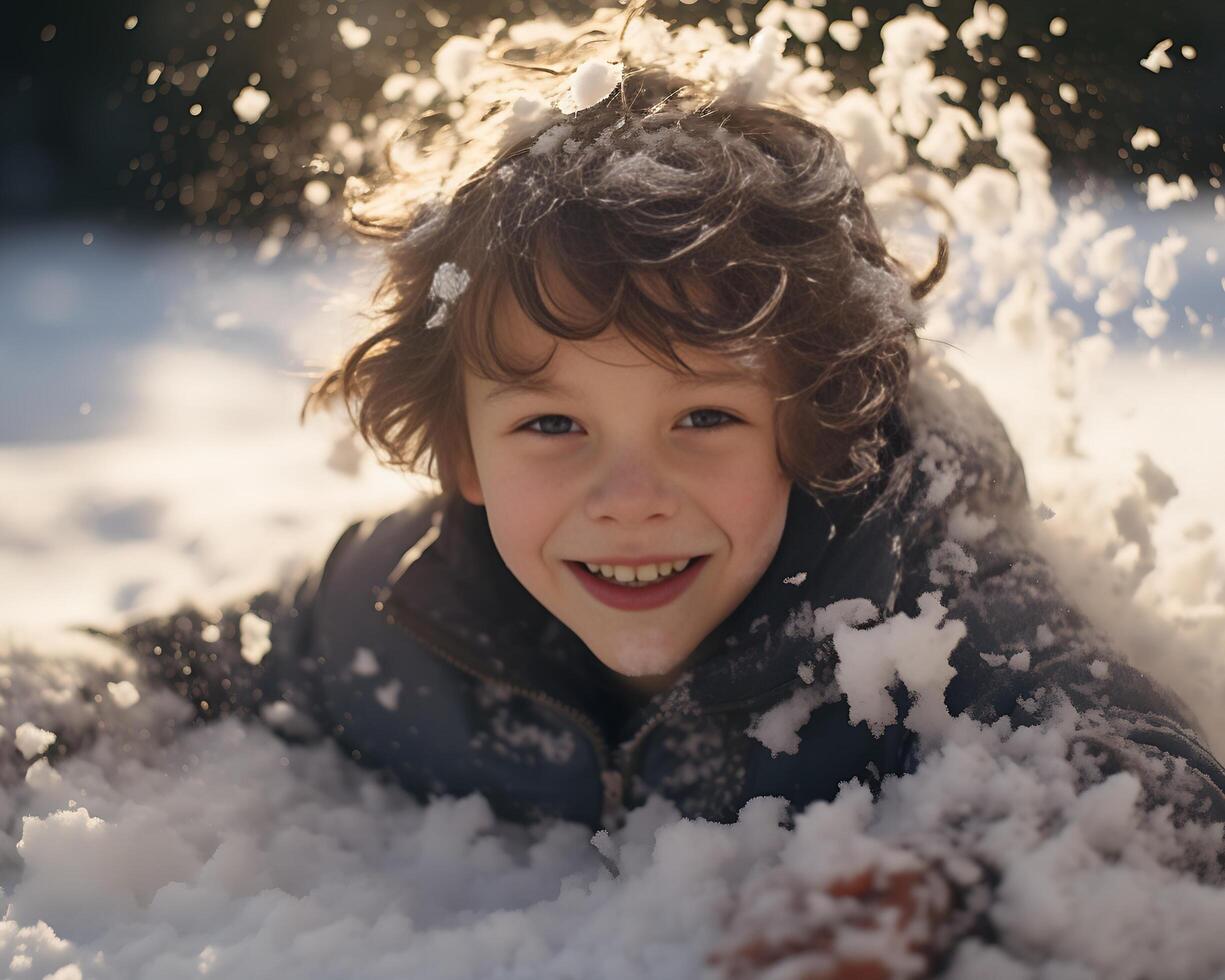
column 447, row 286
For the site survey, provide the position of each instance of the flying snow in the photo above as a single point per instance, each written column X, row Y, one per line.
column 1161, row 272
column 123, row 693
column 352, row 35
column 846, row 33
column 32, row 741
column 251, row 103
column 1158, row 58
column 1145, row 138
column 1162, row 193
column 455, row 61
column 255, row 636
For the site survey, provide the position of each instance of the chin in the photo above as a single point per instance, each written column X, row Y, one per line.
column 646, row 653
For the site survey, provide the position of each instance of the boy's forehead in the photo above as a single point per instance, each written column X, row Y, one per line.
column 526, row 342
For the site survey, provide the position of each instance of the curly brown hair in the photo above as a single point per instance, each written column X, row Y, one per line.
column 656, row 190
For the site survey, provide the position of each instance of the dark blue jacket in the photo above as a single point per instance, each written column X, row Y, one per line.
column 417, row 650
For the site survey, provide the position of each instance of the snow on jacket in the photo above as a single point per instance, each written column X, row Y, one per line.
column 419, row 653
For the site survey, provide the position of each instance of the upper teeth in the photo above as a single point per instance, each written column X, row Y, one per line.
column 638, row 573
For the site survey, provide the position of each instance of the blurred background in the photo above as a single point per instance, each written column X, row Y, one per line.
column 121, row 110
column 174, row 265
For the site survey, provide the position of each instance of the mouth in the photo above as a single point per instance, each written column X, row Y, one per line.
column 628, row 591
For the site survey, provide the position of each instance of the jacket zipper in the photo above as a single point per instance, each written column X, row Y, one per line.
column 629, row 750
column 631, row 747
column 612, row 781
column 616, row 779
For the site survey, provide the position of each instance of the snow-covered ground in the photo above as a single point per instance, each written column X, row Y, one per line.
column 150, row 454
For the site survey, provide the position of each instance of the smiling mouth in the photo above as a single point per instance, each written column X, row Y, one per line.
column 638, row 576
column 638, row 595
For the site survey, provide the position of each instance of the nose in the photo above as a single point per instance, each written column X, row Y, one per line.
column 631, row 490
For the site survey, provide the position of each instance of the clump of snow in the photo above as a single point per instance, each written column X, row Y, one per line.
column 1145, row 138
column 449, row 282
column 748, row 74
column 909, row 91
column 778, row 729
column 592, row 82
column 968, row 528
column 396, row 86
column 548, row 141
column 425, row 91
column 40, row 775
column 941, row 465
column 32, row 741
column 255, row 636
column 123, row 693
column 873, row 148
column 352, row 34
column 365, row 663
column 251, row 103
column 987, row 197
column 950, row 559
column 947, row 138
column 1108, row 262
column 914, row 650
column 448, row 285
column 1151, row 319
column 1108, row 254
column 1162, row 193
column 1158, row 58
column 283, row 717
column 455, row 61
column 316, row 192
column 988, row 20
column 1161, row 272
column 388, row 695
column 846, row 33
column 806, row 24
column 821, row 623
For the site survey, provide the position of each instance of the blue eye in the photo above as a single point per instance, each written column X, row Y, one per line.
column 714, row 418
column 550, row 425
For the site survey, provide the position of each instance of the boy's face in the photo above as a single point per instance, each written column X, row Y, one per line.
column 626, row 463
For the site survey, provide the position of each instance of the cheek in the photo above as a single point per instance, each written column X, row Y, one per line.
column 753, row 514
column 522, row 512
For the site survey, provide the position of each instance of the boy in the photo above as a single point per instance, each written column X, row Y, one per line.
column 662, row 364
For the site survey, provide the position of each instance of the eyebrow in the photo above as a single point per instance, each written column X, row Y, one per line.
column 546, row 386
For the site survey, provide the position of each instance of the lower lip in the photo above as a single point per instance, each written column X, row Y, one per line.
column 641, row 597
